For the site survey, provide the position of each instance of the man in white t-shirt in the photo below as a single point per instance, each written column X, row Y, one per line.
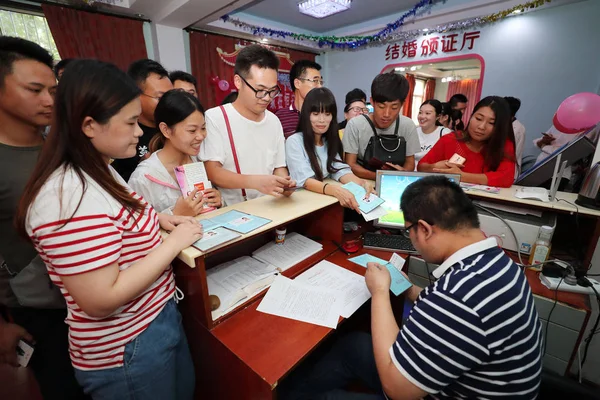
column 257, row 134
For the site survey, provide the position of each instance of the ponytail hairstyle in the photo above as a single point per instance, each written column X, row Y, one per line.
column 503, row 131
column 320, row 100
column 453, row 116
column 173, row 107
column 437, row 106
column 88, row 88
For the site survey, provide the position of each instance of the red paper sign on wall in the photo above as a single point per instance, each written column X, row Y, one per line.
column 432, row 45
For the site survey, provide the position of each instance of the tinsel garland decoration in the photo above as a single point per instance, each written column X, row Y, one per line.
column 336, row 42
column 388, row 34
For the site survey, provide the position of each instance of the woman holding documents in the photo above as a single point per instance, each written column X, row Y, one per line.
column 484, row 153
column 180, row 119
column 315, row 153
column 102, row 246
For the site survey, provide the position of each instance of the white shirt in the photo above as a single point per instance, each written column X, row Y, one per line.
column 519, row 130
column 560, row 140
column 152, row 181
column 260, row 147
column 428, row 140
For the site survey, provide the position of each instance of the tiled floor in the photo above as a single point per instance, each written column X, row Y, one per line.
column 18, row 384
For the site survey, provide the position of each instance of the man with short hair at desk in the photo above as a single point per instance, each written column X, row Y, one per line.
column 474, row 333
column 244, row 151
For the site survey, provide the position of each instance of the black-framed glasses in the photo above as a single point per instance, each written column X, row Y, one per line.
column 261, row 94
column 357, row 109
column 406, row 231
column 313, row 81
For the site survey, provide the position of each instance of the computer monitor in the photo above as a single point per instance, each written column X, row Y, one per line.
column 573, row 151
column 390, row 186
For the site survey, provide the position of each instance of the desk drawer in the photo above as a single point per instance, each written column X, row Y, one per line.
column 560, row 341
column 563, row 315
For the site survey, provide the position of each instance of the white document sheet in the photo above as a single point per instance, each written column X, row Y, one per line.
column 301, row 302
column 296, row 248
column 331, row 276
column 376, row 213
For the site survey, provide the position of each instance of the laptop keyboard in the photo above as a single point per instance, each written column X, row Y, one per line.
column 388, row 242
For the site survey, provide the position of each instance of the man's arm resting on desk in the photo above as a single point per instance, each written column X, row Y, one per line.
column 267, row 184
column 357, row 169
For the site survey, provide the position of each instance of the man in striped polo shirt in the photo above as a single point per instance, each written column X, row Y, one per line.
column 304, row 77
column 474, row 333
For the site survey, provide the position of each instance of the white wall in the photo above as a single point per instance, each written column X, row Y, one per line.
column 541, row 57
column 170, row 48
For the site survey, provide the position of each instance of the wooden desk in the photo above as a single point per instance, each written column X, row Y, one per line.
column 245, row 354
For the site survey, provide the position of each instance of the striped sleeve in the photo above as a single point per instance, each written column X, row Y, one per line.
column 441, row 340
column 87, row 241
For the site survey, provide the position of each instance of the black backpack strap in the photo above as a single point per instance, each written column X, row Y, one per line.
column 397, row 126
column 371, row 124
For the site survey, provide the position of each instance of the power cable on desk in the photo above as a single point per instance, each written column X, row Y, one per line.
column 509, row 228
column 550, row 314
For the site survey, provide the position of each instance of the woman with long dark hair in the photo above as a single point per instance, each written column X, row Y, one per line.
column 179, row 116
column 315, row 152
column 487, row 145
column 102, row 246
column 451, row 119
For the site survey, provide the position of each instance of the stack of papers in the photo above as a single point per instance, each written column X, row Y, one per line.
column 399, row 283
column 238, row 280
column 222, row 228
column 369, row 205
column 295, row 249
column 318, row 296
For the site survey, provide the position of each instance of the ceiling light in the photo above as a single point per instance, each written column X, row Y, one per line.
column 413, row 68
column 517, row 12
column 425, row 29
column 264, row 40
column 323, row 8
column 443, row 80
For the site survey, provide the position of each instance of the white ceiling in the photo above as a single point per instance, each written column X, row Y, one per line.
column 286, row 11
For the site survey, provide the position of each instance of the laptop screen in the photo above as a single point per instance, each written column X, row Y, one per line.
column 390, row 187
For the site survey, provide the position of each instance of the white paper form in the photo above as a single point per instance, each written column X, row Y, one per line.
column 331, row 276
column 196, row 173
column 295, row 249
column 301, row 302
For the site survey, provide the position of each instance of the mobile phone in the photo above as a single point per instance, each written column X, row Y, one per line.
column 24, row 352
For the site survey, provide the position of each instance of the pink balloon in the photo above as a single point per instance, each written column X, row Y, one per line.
column 223, row 85
column 579, row 112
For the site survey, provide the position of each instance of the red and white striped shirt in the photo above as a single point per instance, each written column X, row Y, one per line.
column 100, row 234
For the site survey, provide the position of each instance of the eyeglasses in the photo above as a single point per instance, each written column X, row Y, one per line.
column 261, row 94
column 406, row 231
column 152, row 97
column 359, row 110
column 313, row 81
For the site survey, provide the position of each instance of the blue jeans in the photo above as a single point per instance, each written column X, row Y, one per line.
column 350, row 359
column 157, row 365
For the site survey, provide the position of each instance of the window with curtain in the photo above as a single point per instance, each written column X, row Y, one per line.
column 417, row 99
column 32, row 27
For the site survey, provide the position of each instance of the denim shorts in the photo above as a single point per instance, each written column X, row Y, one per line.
column 156, row 365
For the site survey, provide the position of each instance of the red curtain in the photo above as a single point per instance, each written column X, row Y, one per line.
column 213, row 58
column 407, row 108
column 429, row 90
column 81, row 34
column 468, row 87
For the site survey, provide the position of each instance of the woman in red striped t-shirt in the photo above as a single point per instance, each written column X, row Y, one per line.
column 102, row 246
column 487, row 145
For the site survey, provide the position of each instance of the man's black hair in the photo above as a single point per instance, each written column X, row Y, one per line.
column 514, row 104
column 255, row 54
column 14, row 49
column 61, row 65
column 440, row 202
column 183, row 76
column 457, row 98
column 389, row 87
column 355, row 95
column 299, row 69
column 140, row 70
